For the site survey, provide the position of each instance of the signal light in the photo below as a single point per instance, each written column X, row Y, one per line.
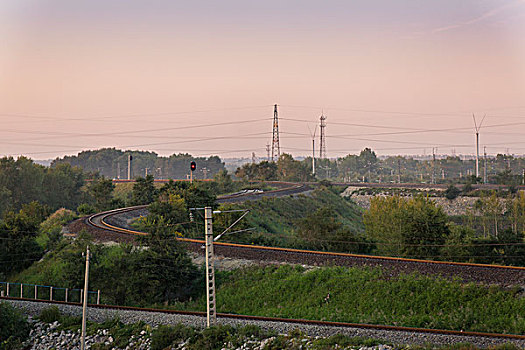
column 193, row 166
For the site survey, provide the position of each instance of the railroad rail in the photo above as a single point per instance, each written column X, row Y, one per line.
column 468, row 272
column 332, row 324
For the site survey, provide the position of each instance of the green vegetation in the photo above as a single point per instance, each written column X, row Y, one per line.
column 162, row 273
column 283, row 221
column 14, row 328
column 108, row 161
column 368, row 296
column 22, row 182
column 418, row 228
column 413, row 227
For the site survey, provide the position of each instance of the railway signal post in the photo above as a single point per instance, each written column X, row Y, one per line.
column 211, row 318
column 193, row 166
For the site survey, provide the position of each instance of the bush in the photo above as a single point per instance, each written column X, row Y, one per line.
column 14, row 328
column 164, row 336
column 50, row 314
column 86, row 209
column 452, row 192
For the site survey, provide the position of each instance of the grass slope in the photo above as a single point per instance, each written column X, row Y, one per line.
column 280, row 215
column 368, row 296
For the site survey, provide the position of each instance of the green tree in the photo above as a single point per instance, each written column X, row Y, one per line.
column 322, row 230
column 18, row 247
column 263, row 171
column 223, row 181
column 102, row 191
column 413, row 227
column 144, row 190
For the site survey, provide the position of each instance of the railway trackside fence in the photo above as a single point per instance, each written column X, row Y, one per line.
column 40, row 292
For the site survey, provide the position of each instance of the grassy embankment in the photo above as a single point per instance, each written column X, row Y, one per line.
column 369, row 296
column 275, row 220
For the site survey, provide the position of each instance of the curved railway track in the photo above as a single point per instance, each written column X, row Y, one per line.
column 468, row 272
column 480, row 273
column 422, row 334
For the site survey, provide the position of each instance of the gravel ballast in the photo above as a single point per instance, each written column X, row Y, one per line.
column 154, row 319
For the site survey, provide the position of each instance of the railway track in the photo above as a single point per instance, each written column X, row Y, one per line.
column 103, row 229
column 395, row 334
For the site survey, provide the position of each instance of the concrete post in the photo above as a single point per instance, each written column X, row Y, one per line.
column 84, row 304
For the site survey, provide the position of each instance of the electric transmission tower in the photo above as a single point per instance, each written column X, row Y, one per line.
column 322, row 141
column 276, row 148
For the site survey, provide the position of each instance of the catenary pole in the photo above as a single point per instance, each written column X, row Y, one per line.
column 211, row 317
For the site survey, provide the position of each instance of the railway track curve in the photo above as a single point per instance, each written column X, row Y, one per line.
column 469, row 272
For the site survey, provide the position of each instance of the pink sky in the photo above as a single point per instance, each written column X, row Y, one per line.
column 78, row 75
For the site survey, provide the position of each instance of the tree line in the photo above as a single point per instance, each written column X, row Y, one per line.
column 113, row 163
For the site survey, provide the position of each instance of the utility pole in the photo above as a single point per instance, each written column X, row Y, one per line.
column 433, row 165
column 322, row 138
column 268, row 152
column 485, row 165
column 211, row 317
column 313, row 157
column 253, row 157
column 398, row 170
column 118, row 171
column 276, row 148
column 130, row 158
column 84, row 303
column 146, row 171
column 477, row 127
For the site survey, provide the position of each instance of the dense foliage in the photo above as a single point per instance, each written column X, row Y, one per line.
column 22, row 182
column 113, row 163
column 418, row 228
column 285, row 169
column 368, row 296
column 14, row 328
column 368, row 167
column 159, row 272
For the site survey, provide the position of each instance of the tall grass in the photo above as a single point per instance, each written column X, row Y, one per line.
column 369, row 296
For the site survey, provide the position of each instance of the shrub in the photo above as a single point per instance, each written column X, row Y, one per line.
column 14, row 328
column 86, row 209
column 452, row 192
column 164, row 336
column 50, row 314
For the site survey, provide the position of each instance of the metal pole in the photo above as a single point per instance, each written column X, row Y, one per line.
column 211, row 318
column 21, row 290
column 485, row 165
column 477, row 154
column 67, row 290
column 8, row 289
column 98, row 296
column 51, row 293
column 84, row 305
column 313, row 157
column 36, row 291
